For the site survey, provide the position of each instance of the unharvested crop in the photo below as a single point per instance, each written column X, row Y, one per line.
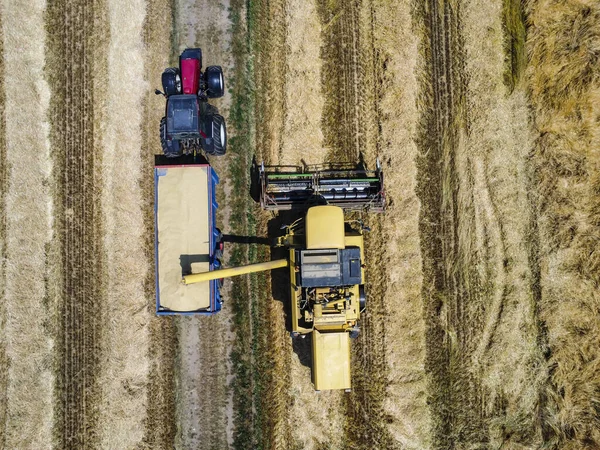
column 564, row 89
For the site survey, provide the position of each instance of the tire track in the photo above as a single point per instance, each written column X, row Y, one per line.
column 341, row 80
column 452, row 287
column 346, row 120
column 3, row 189
column 161, row 401
column 78, row 220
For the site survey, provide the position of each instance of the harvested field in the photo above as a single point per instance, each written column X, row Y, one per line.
column 161, row 392
column 3, row 188
column 77, row 219
column 483, row 334
column 482, row 275
column 29, row 320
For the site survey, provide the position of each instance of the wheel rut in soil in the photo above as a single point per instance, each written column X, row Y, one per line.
column 159, row 433
column 345, row 125
column 451, row 286
column 340, row 79
column 3, row 189
column 78, row 219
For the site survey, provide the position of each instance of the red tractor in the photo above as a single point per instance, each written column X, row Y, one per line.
column 191, row 123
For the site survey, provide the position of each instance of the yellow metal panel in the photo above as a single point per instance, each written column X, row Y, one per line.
column 331, row 360
column 325, row 227
column 234, row 271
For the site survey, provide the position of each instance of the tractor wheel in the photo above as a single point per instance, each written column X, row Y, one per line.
column 219, row 135
column 171, row 81
column 215, row 83
column 163, row 134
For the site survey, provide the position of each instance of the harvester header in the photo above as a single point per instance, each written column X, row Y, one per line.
column 299, row 187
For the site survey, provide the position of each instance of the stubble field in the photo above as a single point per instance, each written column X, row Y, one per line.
column 483, row 316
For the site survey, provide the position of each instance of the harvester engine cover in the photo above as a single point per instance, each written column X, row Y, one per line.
column 191, row 124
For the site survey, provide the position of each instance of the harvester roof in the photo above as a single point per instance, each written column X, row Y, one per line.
column 325, row 227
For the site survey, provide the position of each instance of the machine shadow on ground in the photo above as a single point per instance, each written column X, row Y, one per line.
column 280, row 281
column 280, row 278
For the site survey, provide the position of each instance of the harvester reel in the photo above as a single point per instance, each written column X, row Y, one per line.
column 300, row 187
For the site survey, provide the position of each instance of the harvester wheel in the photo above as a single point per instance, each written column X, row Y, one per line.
column 362, row 298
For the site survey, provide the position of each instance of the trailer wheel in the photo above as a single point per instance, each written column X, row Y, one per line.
column 163, row 134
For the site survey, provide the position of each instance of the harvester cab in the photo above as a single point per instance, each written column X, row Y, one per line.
column 325, row 258
column 191, row 123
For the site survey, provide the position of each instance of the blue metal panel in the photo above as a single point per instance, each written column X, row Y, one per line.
column 157, row 172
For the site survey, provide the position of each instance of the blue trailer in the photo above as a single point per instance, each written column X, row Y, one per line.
column 187, row 240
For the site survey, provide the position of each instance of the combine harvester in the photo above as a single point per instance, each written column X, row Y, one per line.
column 325, row 251
column 325, row 258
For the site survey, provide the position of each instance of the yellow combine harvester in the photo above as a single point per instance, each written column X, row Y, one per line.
column 325, row 259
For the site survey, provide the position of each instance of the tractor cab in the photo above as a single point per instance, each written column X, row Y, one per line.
column 191, row 123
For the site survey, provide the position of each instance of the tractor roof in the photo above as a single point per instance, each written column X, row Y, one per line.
column 182, row 114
